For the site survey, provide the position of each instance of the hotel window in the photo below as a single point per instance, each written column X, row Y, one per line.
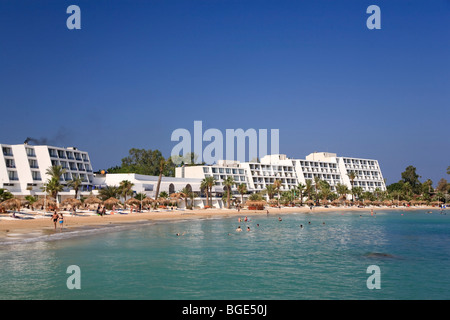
column 7, row 151
column 52, row 153
column 33, row 164
column 10, row 163
column 61, row 154
column 12, row 175
column 220, row 170
column 241, row 171
column 206, row 170
column 214, row 170
column 36, row 175
column 228, row 170
column 30, row 152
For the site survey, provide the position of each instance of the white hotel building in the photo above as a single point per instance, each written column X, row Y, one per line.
column 23, row 172
column 291, row 172
column 23, row 168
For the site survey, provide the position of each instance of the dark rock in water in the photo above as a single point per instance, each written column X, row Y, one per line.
column 380, row 255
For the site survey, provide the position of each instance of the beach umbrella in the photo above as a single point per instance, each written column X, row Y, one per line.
column 93, row 200
column 148, row 200
column 111, row 202
column 49, row 202
column 71, row 202
column 12, row 203
column 132, row 201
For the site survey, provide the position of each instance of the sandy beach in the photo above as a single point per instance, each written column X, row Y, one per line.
column 40, row 222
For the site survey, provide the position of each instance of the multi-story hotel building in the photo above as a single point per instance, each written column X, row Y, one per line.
column 23, row 167
column 323, row 165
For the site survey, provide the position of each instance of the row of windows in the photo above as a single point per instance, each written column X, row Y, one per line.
column 224, row 170
column 71, row 155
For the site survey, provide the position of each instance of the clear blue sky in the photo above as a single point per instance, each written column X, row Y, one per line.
column 137, row 70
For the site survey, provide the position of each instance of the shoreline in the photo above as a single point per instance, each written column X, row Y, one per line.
column 72, row 223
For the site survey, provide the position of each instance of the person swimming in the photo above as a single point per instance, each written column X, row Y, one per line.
column 239, row 229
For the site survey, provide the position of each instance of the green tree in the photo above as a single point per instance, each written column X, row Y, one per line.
column 208, row 183
column 75, row 184
column 53, row 185
column 162, row 167
column 270, row 190
column 301, row 189
column 146, row 162
column 242, row 189
column 5, row 195
column 228, row 183
column 352, row 176
column 108, row 192
column 125, row 189
column 309, row 189
column 342, row 190
column 277, row 186
column 410, row 176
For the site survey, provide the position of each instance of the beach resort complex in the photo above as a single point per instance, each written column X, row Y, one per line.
column 23, row 171
column 290, row 172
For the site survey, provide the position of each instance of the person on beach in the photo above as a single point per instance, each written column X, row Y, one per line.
column 54, row 218
column 61, row 221
column 103, row 211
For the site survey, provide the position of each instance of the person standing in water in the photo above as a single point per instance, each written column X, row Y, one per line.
column 61, row 221
column 54, row 218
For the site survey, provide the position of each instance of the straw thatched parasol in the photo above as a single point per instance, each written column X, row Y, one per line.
column 49, row 202
column 148, row 200
column 110, row 202
column 93, row 200
column 132, row 201
column 71, row 202
column 12, row 203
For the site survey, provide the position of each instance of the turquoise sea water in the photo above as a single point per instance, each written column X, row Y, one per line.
column 326, row 259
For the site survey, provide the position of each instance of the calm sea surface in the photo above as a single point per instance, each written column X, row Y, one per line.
column 326, row 259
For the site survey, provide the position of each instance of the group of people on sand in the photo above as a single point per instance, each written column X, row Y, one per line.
column 58, row 218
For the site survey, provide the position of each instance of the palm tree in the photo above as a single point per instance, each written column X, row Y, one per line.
column 209, row 183
column 352, row 175
column 270, row 190
column 277, row 185
column 108, row 192
column 342, row 189
column 228, row 183
column 301, row 188
column 309, row 188
column 162, row 165
column 5, row 195
column 204, row 186
column 75, row 184
column 185, row 193
column 125, row 189
column 242, row 189
column 53, row 185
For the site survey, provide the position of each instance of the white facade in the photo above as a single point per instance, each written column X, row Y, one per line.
column 23, row 167
column 146, row 184
column 324, row 165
